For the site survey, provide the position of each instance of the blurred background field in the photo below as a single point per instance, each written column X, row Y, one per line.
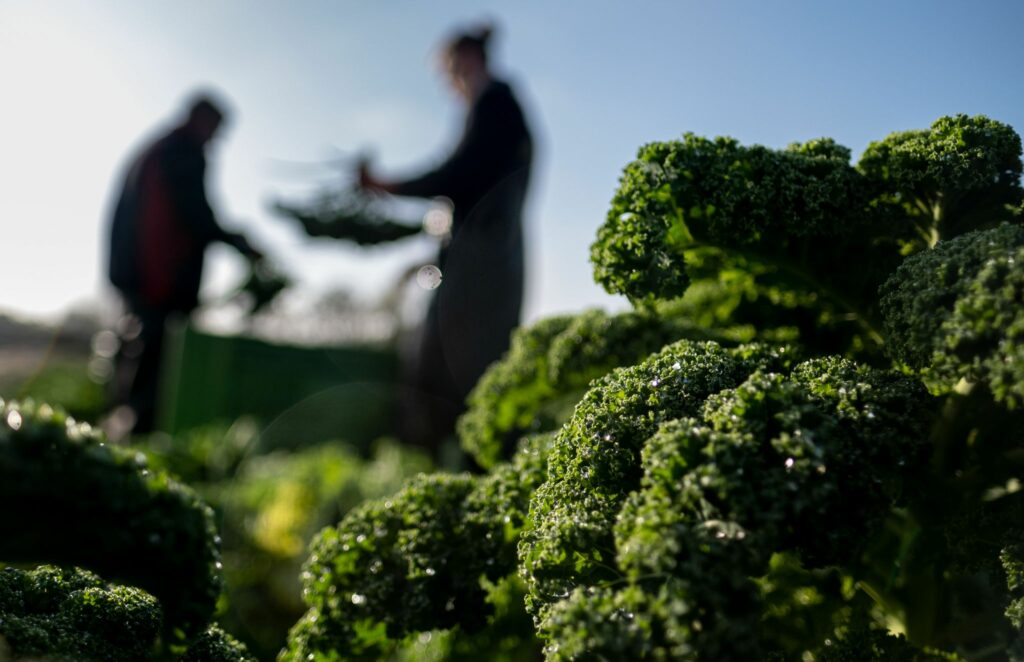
column 271, row 493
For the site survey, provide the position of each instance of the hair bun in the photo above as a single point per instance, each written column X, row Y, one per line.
column 471, row 38
column 484, row 31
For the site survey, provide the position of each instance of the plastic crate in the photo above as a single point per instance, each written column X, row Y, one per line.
column 300, row 395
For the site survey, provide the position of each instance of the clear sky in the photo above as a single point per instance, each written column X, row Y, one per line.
column 83, row 82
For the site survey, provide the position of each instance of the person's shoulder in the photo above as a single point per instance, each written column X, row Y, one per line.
column 499, row 89
column 177, row 145
column 498, row 94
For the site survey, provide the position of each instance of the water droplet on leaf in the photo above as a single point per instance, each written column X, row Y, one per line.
column 428, row 277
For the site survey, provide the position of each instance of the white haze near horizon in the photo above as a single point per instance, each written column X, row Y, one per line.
column 85, row 82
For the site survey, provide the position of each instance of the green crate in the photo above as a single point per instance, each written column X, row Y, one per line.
column 300, row 395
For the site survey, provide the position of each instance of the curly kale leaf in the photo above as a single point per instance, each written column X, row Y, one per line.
column 70, row 614
column 596, row 342
column 594, row 462
column 99, row 507
column 955, row 312
column 984, row 337
column 813, row 236
column 960, row 175
column 682, row 195
column 418, row 561
column 630, row 623
column 390, row 562
column 216, row 645
column 777, row 464
column 863, row 643
column 676, row 481
column 508, row 398
column 548, row 367
column 508, row 637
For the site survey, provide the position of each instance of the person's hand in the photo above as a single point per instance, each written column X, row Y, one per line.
column 363, row 175
column 367, row 181
column 247, row 249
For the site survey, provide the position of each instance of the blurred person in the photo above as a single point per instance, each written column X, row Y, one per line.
column 477, row 304
column 159, row 232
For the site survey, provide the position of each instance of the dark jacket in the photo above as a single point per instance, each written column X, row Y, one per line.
column 162, row 225
column 479, row 300
column 490, row 165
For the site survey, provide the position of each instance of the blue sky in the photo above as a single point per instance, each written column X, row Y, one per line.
column 85, row 82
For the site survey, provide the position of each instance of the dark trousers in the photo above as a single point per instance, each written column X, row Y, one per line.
column 138, row 363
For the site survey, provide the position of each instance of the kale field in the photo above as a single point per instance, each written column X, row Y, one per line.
column 804, row 441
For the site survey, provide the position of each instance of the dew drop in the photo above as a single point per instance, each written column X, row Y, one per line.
column 428, row 277
column 358, row 599
column 437, row 221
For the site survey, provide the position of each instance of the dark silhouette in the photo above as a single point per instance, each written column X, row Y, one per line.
column 477, row 304
column 161, row 227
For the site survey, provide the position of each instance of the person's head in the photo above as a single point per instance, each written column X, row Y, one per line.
column 464, row 60
column 205, row 117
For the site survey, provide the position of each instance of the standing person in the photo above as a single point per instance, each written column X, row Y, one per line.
column 160, row 229
column 477, row 304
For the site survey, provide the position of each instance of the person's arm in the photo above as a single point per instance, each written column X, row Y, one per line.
column 185, row 170
column 468, row 166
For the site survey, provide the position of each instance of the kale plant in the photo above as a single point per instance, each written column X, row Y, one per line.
column 89, row 504
column 426, row 558
column 548, row 368
column 71, row 614
column 847, row 487
column 99, row 507
column 957, row 312
column 800, row 231
column 777, row 464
